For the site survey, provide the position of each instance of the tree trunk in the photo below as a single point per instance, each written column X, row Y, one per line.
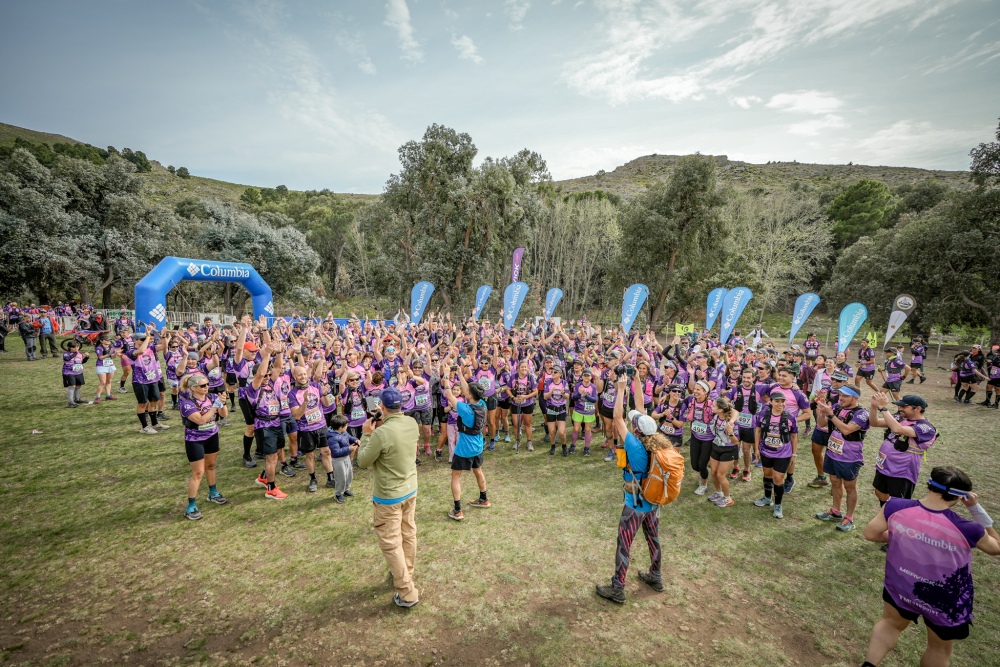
column 84, row 289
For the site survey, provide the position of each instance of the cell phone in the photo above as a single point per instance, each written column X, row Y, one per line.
column 373, row 404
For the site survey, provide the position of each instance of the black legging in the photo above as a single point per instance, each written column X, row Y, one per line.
column 701, row 452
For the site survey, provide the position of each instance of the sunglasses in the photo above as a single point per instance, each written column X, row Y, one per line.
column 675, row 391
column 202, row 385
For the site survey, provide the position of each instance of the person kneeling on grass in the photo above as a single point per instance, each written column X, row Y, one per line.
column 636, row 511
column 848, row 424
column 928, row 565
column 472, row 416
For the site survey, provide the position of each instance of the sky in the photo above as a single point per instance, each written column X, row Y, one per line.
column 319, row 94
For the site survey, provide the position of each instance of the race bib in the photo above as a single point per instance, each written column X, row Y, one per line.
column 272, row 408
column 773, row 442
column 880, row 460
column 667, row 428
column 313, row 416
column 420, row 400
column 485, row 383
column 77, row 368
column 699, row 427
column 836, row 445
column 745, row 420
column 107, row 362
column 208, row 426
column 357, row 413
column 284, row 403
column 553, row 412
column 588, row 407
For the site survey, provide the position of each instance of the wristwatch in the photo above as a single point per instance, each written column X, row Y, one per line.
column 883, row 409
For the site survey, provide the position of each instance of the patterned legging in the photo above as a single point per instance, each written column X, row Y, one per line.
column 628, row 525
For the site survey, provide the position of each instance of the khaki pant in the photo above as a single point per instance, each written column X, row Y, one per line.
column 397, row 537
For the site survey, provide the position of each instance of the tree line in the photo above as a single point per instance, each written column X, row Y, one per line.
column 84, row 230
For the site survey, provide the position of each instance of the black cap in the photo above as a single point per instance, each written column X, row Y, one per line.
column 912, row 400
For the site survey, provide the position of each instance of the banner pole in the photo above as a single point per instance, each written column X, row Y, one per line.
column 827, row 346
column 940, row 341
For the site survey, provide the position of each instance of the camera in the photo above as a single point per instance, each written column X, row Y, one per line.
column 625, row 369
column 377, row 416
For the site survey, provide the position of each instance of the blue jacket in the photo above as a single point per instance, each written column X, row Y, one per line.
column 339, row 443
column 638, row 460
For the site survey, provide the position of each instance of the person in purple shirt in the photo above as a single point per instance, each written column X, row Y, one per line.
column 584, row 408
column 777, row 439
column 918, row 352
column 908, row 436
column 894, row 370
column 556, row 393
column 72, row 373
column 848, row 424
column 265, row 399
column 797, row 406
column 306, row 400
column 146, row 376
column 928, row 565
column 200, row 412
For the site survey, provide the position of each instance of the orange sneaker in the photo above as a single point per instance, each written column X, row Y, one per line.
column 261, row 480
column 275, row 494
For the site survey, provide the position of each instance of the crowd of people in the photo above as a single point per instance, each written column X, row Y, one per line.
column 384, row 394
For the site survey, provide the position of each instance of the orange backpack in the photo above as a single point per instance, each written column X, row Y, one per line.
column 662, row 483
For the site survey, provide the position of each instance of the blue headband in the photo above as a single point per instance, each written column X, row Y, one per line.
column 945, row 489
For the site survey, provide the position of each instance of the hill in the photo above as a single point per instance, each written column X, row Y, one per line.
column 631, row 178
column 625, row 181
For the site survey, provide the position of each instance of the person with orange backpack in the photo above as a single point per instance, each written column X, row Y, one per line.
column 652, row 472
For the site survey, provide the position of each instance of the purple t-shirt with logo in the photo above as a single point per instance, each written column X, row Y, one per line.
column 839, row 448
column 312, row 419
column 928, row 566
column 700, row 415
column 585, row 399
column 145, row 366
column 771, row 442
column 522, row 386
column 795, row 400
column 866, row 359
column 72, row 363
column 267, row 405
column 194, row 432
column 906, row 464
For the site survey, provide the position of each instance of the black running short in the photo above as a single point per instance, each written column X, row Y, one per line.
column 310, row 441
column 73, row 380
column 725, row 453
column 269, row 440
column 557, row 417
column 464, row 463
column 516, row 409
column 894, row 487
column 231, row 379
column 196, row 451
column 491, row 403
column 944, row 632
column 867, row 375
column 777, row 465
column 504, row 404
column 146, row 393
column 247, row 411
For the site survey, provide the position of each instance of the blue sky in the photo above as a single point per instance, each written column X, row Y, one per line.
column 321, row 94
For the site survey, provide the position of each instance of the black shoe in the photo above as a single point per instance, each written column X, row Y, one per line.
column 287, row 471
column 996, row 406
column 348, row 494
column 248, row 462
column 437, row 455
column 552, row 450
column 565, row 452
column 884, row 548
column 923, row 379
column 162, row 417
column 909, row 382
column 340, row 499
column 656, row 583
column 609, row 592
column 258, row 456
column 298, row 465
column 986, row 403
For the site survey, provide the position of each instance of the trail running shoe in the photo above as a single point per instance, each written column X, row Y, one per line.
column 725, row 502
column 298, row 465
column 287, row 471
column 552, row 450
column 746, row 476
column 457, row 516
column 261, row 480
column 437, row 455
column 148, row 430
column 493, row 445
column 715, row 496
column 763, row 502
column 778, row 514
column 162, row 427
column 610, row 457
column 248, row 462
column 847, row 525
column 506, row 437
column 609, row 592
column 485, row 504
column 109, row 397
column 194, row 514
column 162, row 417
column 531, row 447
column 789, row 484
column 734, row 473
column 312, row 486
column 275, row 494
column 586, row 451
column 654, row 582
column 572, row 449
column 700, row 491
column 217, row 498
column 819, row 481
column 829, row 516
column 330, row 484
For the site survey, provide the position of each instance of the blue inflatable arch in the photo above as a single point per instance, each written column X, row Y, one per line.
column 151, row 291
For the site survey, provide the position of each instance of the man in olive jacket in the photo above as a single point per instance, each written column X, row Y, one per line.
column 390, row 451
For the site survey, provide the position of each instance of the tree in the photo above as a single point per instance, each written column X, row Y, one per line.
column 986, row 162
column 671, row 238
column 183, row 172
column 860, row 210
column 171, row 169
column 776, row 244
column 251, row 197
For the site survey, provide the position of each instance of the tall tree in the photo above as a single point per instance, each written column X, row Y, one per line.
column 671, row 238
column 862, row 209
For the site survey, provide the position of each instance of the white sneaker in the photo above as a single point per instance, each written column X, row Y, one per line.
column 122, row 390
column 162, row 427
column 700, row 491
column 148, row 430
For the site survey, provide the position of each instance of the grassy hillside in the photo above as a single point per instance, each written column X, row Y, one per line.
column 630, row 178
column 626, row 181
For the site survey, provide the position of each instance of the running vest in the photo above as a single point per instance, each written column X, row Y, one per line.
column 478, row 423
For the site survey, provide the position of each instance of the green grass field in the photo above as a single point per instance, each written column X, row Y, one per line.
column 100, row 567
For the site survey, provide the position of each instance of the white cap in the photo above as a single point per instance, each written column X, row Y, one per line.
column 642, row 422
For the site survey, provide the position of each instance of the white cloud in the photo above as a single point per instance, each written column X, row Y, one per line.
column 354, row 45
column 813, row 127
column 805, row 101
column 635, row 34
column 916, row 143
column 397, row 17
column 466, row 48
column 516, row 10
column 745, row 102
